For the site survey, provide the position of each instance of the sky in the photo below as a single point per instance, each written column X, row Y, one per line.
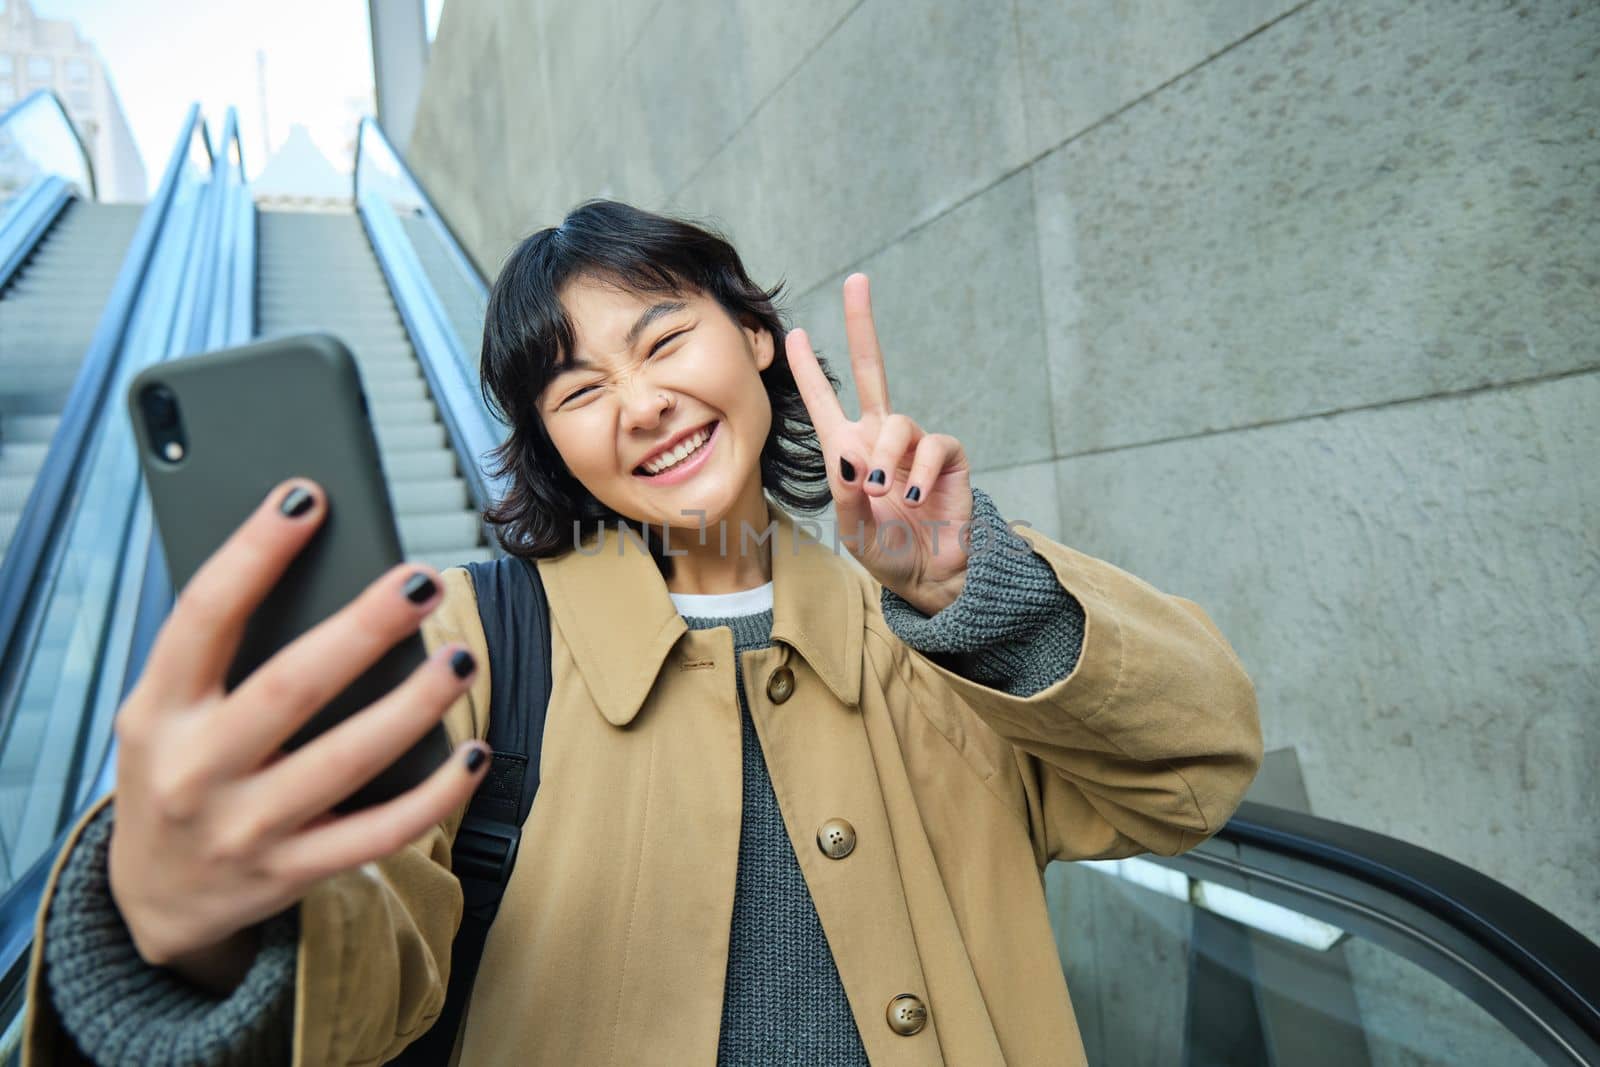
column 163, row 55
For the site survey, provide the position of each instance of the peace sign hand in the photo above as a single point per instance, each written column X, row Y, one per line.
column 902, row 495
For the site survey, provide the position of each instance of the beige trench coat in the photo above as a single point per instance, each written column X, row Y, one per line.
column 611, row 944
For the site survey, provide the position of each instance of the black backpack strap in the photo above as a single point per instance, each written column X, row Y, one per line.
column 516, row 623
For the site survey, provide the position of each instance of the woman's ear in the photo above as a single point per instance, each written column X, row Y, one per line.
column 761, row 344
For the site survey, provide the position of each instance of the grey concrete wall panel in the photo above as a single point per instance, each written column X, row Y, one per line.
column 399, row 57
column 1347, row 209
column 962, row 341
column 902, row 113
column 1024, row 494
column 584, row 114
column 678, row 115
column 1084, row 61
column 465, row 126
column 1412, row 590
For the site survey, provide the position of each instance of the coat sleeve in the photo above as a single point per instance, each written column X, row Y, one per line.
column 1137, row 727
column 373, row 952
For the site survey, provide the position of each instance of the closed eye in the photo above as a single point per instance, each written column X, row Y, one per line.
column 668, row 338
column 660, row 343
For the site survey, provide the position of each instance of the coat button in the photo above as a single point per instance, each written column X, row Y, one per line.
column 907, row 1014
column 780, row 686
column 836, row 838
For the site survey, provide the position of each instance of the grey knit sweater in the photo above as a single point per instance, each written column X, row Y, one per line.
column 1012, row 628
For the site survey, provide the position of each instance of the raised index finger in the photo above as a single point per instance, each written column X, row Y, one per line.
column 815, row 390
column 866, row 358
column 197, row 643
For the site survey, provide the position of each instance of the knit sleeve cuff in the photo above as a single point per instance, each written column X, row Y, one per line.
column 122, row 1011
column 1013, row 628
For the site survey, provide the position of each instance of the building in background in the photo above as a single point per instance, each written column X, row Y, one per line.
column 38, row 53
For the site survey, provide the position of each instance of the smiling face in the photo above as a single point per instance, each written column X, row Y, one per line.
column 650, row 375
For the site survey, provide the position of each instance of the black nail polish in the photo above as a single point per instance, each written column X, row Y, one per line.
column 914, row 494
column 847, row 469
column 475, row 758
column 419, row 588
column 462, row 663
column 297, row 502
column 877, row 477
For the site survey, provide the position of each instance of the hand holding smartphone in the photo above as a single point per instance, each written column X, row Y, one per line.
column 287, row 724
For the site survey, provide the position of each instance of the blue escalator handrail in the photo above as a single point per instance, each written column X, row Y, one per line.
column 52, row 491
column 47, row 99
column 441, row 226
column 231, row 319
column 1548, row 953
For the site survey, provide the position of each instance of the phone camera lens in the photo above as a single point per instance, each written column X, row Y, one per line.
column 160, row 407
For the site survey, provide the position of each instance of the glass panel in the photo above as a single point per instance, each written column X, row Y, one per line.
column 1157, row 980
column 37, row 140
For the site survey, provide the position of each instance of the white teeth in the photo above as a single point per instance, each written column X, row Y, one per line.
column 678, row 454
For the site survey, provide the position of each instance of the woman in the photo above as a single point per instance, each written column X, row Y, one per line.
column 791, row 810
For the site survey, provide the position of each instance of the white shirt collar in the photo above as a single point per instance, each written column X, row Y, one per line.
column 724, row 605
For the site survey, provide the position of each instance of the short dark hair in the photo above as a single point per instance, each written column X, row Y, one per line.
column 527, row 337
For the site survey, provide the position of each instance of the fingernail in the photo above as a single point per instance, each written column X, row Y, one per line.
column 463, row 663
column 914, row 494
column 876, row 477
column 297, row 502
column 847, row 469
column 474, row 758
column 419, row 588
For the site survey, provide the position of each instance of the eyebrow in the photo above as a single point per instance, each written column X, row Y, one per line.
column 651, row 314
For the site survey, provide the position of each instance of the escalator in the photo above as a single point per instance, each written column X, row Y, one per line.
column 48, row 313
column 317, row 271
column 91, row 294
column 1283, row 940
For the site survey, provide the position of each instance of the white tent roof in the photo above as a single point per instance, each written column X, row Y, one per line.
column 299, row 171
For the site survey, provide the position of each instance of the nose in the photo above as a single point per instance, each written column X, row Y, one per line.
column 643, row 405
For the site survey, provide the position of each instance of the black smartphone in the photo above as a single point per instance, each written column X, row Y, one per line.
column 216, row 433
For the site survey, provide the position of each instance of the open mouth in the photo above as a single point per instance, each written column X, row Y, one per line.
column 686, row 454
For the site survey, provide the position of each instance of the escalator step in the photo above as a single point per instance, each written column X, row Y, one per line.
column 27, row 429
column 21, row 459
column 430, row 466
column 411, row 438
column 426, row 497
column 429, row 533
column 406, row 413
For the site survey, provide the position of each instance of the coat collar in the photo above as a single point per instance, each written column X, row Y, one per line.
column 613, row 610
